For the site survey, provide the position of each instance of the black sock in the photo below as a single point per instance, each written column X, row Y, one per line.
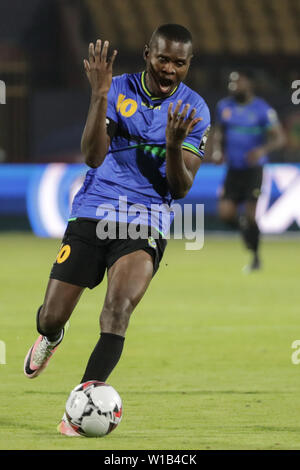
column 51, row 336
column 104, row 358
column 250, row 233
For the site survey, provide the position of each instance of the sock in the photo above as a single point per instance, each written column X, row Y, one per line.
column 104, row 358
column 52, row 337
column 250, row 233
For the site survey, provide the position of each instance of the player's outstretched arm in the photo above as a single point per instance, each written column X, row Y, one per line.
column 95, row 141
column 181, row 165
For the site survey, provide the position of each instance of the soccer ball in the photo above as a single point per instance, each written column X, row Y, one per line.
column 94, row 409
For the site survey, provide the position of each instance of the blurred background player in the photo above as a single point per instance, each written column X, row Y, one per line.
column 247, row 129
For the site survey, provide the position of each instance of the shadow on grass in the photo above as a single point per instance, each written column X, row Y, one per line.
column 273, row 428
column 17, row 425
column 46, row 392
column 206, row 392
column 176, row 392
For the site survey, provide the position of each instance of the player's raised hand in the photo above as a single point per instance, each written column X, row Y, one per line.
column 98, row 67
column 179, row 125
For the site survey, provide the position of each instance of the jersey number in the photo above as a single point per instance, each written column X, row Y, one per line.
column 127, row 107
column 63, row 254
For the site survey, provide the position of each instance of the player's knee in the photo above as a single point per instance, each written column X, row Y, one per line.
column 115, row 316
column 226, row 211
column 227, row 215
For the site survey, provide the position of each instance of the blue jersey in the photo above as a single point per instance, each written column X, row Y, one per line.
column 244, row 127
column 134, row 168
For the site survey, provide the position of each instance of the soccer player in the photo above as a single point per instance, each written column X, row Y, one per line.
column 246, row 130
column 143, row 140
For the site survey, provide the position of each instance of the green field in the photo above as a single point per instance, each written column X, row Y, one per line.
column 207, row 357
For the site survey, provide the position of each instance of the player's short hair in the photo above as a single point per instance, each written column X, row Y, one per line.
column 173, row 32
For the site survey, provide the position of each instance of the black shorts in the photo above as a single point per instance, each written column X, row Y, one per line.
column 83, row 257
column 243, row 185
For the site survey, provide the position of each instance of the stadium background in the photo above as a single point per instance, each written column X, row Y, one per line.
column 227, row 371
column 42, row 44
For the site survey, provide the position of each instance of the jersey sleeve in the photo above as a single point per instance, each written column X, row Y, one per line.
column 111, row 114
column 269, row 116
column 112, row 98
column 196, row 140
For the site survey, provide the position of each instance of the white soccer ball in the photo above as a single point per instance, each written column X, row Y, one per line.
column 94, row 409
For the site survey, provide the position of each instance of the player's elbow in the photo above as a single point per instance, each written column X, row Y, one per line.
column 179, row 193
column 180, row 189
column 94, row 155
column 93, row 161
column 92, row 158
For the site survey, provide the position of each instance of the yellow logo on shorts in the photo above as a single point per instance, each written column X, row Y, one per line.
column 151, row 242
column 63, row 254
column 256, row 193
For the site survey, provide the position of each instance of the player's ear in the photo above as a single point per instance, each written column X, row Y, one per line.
column 146, row 52
column 190, row 58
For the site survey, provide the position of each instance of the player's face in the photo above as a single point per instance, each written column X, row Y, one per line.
column 167, row 64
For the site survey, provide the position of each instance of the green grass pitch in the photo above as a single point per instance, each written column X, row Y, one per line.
column 207, row 357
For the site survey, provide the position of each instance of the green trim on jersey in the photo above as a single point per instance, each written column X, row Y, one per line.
column 191, row 148
column 160, row 232
column 255, row 130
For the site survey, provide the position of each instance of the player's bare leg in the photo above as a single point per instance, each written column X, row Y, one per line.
column 128, row 280
column 60, row 300
column 59, row 303
column 228, row 211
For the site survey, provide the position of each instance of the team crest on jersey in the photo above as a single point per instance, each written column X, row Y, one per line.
column 204, row 139
column 151, row 242
column 226, row 113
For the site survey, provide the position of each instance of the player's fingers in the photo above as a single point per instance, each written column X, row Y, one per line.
column 112, row 59
column 170, row 108
column 177, row 109
column 86, row 65
column 87, row 69
column 184, row 112
column 97, row 50
column 193, row 124
column 104, row 51
column 91, row 53
column 192, row 114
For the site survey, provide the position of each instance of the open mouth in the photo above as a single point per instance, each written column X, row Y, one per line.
column 165, row 85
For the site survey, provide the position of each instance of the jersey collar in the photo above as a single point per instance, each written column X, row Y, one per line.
column 147, row 91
